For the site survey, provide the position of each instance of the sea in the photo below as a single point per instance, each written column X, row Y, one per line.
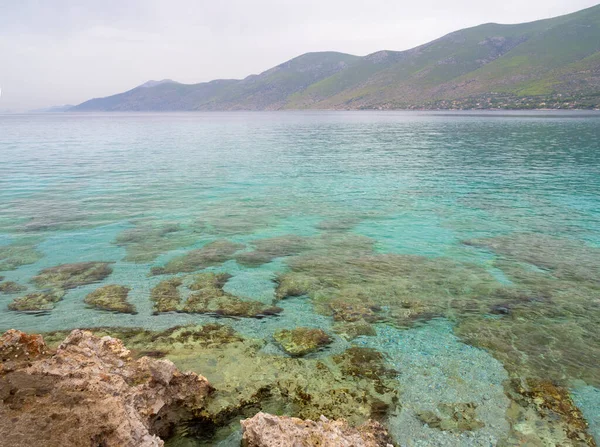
column 461, row 249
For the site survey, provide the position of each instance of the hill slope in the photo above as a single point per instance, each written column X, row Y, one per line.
column 552, row 63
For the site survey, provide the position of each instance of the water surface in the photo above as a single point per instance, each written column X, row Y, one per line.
column 480, row 231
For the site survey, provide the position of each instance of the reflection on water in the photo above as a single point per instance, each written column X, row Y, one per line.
column 451, row 263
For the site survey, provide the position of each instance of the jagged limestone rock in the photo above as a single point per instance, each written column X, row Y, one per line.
column 265, row 430
column 91, row 392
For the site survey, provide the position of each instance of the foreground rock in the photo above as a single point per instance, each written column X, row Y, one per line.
column 265, row 430
column 356, row 385
column 89, row 392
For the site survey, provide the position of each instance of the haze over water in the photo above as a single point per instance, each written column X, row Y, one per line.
column 479, row 232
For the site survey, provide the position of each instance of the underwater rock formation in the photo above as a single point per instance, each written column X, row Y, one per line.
column 21, row 252
column 535, row 307
column 355, row 308
column 545, row 413
column 90, row 392
column 350, row 331
column 337, row 224
column 295, row 284
column 564, row 258
column 209, row 280
column 301, row 340
column 223, row 218
column 210, row 255
column 364, row 362
column 37, row 301
column 351, row 285
column 146, row 241
column 11, row 287
column 546, row 330
column 265, row 430
column 70, row 276
column 207, row 297
column 166, row 296
column 271, row 248
column 112, row 297
column 454, row 418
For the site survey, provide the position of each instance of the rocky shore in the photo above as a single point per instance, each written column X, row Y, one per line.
column 85, row 388
column 92, row 391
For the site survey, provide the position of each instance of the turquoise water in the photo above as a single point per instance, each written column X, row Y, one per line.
column 481, row 227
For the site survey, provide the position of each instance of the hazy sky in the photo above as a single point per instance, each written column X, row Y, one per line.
column 66, row 51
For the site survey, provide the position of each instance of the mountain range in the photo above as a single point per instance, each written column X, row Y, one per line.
column 552, row 63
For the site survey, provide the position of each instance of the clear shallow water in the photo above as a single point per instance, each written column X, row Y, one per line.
column 488, row 223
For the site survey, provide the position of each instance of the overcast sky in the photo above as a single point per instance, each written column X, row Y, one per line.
column 66, row 51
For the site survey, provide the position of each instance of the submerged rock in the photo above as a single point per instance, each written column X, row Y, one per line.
column 37, row 301
column 11, row 287
column 147, row 241
column 210, row 255
column 21, row 252
column 112, row 297
column 228, row 305
column 542, row 293
column 301, row 341
column 265, row 430
column 223, row 218
column 295, row 284
column 70, row 276
column 455, row 418
column 339, row 225
column 166, row 295
column 271, row 248
column 353, row 310
column 545, row 413
column 364, row 362
column 209, row 280
column 564, row 257
column 90, row 392
column 208, row 297
column 350, row 331
column 208, row 336
column 352, row 284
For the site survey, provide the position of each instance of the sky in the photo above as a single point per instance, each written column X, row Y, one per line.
column 67, row 51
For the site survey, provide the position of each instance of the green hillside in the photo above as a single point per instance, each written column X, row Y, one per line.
column 553, row 63
column 268, row 90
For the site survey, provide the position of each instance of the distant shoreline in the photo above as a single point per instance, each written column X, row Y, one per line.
column 157, row 112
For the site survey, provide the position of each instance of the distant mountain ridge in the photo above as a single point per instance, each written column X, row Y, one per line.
column 53, row 109
column 155, row 83
column 552, row 63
